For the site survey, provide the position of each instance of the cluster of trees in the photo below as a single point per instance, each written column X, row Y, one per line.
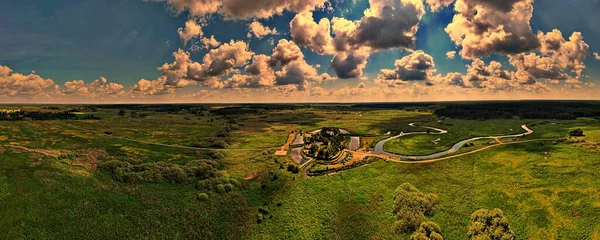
column 412, row 208
column 332, row 143
column 220, row 184
column 492, row 225
column 523, row 110
column 160, row 172
column 36, row 115
column 576, row 132
column 427, row 231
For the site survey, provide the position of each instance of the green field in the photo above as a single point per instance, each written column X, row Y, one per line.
column 53, row 184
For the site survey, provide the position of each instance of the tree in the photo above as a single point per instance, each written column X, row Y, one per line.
column 486, row 224
column 576, row 132
column 314, row 149
column 427, row 231
column 121, row 113
column 411, row 207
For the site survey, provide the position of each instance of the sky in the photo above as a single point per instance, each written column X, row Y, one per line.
column 208, row 51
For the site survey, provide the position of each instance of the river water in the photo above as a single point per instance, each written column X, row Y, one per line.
column 455, row 148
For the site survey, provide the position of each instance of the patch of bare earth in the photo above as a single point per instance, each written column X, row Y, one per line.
column 88, row 158
column 251, row 175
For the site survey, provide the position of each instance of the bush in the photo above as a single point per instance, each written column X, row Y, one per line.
column 263, row 213
column 220, row 189
column 293, row 168
column 411, row 207
column 218, row 184
column 222, row 134
column 427, row 231
column 113, row 165
column 486, row 224
column 201, row 169
column 202, row 197
column 216, row 155
column 576, row 132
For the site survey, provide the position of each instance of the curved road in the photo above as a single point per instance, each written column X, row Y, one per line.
column 455, row 148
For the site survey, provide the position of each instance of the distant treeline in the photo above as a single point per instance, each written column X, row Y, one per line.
column 41, row 115
column 523, row 110
column 35, row 115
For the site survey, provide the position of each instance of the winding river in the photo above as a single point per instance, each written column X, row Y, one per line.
column 455, row 148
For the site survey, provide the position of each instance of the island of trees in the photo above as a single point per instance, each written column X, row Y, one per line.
column 325, row 144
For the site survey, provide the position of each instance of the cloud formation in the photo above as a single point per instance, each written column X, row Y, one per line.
column 286, row 66
column 183, row 71
column 556, row 59
column 315, row 36
column 418, row 66
column 243, row 9
column 284, row 53
column 191, row 30
column 484, row 27
column 436, row 5
column 350, row 64
column 387, row 24
column 260, row 31
column 20, row 85
column 99, row 88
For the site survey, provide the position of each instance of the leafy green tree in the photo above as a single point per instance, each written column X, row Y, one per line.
column 411, row 207
column 492, row 225
column 427, row 231
column 314, row 149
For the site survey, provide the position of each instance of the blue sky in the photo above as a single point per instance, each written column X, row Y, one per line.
column 126, row 40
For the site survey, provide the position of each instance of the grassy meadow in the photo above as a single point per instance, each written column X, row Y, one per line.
column 52, row 185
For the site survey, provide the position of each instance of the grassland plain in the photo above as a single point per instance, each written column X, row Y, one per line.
column 547, row 191
column 545, row 196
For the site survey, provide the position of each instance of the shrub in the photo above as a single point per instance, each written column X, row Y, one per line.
column 113, row 165
column 411, row 207
column 427, row 231
column 293, row 168
column 161, row 172
column 263, row 213
column 222, row 134
column 216, row 155
column 202, row 197
column 576, row 132
column 201, row 169
column 218, row 184
column 228, row 187
column 486, row 224
column 221, row 188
